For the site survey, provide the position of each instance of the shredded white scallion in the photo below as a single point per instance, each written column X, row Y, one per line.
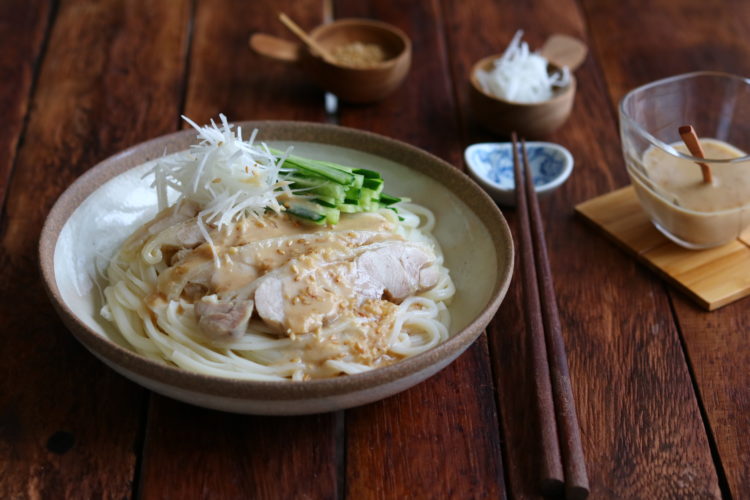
column 228, row 177
column 520, row 75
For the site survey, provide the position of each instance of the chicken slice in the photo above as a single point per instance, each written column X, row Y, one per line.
column 223, row 320
column 185, row 234
column 398, row 269
column 242, row 265
column 165, row 219
column 308, row 292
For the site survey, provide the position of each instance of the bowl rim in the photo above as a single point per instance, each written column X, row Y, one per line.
column 370, row 23
column 625, row 117
column 561, row 95
column 541, row 188
column 447, row 175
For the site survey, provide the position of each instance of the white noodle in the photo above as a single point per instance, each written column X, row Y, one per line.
column 420, row 322
column 231, row 180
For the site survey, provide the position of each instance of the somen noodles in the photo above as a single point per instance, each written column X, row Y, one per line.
column 270, row 267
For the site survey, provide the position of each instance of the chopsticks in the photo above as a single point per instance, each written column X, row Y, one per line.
column 562, row 465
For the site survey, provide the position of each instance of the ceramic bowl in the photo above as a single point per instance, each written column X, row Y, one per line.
column 527, row 119
column 101, row 208
column 491, row 164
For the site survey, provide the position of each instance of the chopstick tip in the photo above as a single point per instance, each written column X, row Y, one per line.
column 552, row 486
column 576, row 492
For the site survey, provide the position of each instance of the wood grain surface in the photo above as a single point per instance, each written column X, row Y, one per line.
column 662, row 388
column 23, row 29
column 69, row 425
column 396, row 448
column 227, row 77
column 388, row 442
column 234, row 456
column 642, row 429
column 712, row 278
column 716, row 344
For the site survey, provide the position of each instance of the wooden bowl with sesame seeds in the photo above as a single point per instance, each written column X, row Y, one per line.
column 106, row 200
column 366, row 60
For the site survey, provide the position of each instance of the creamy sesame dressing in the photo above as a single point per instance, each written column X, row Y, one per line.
column 333, row 291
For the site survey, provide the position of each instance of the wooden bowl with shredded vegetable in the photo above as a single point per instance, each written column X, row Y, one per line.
column 528, row 119
column 366, row 60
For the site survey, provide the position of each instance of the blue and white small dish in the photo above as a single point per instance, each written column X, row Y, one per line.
column 491, row 164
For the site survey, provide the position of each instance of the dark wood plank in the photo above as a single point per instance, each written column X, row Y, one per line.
column 674, row 38
column 441, row 438
column 423, row 111
column 191, row 452
column 638, row 41
column 197, row 453
column 68, row 424
column 718, row 350
column 436, row 440
column 227, row 77
column 22, row 31
column 641, row 425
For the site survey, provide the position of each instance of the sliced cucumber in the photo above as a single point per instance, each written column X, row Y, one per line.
column 387, row 199
column 367, row 174
column 326, row 202
column 326, row 189
column 349, row 208
column 306, row 214
column 374, row 184
column 317, row 168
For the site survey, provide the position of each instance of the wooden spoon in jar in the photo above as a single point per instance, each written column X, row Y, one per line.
column 690, row 138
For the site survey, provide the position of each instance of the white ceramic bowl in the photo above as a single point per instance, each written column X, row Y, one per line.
column 102, row 207
column 491, row 164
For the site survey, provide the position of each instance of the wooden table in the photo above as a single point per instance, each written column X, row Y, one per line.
column 662, row 388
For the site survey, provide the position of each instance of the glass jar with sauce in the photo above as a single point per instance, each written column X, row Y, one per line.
column 667, row 178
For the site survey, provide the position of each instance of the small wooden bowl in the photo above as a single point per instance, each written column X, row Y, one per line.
column 527, row 119
column 367, row 84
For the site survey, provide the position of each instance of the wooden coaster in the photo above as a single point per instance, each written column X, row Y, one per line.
column 713, row 277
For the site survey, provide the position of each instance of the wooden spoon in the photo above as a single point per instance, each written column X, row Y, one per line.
column 563, row 50
column 302, row 35
column 274, row 47
column 690, row 138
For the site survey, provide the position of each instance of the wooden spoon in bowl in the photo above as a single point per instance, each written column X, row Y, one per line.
column 349, row 83
column 563, row 50
column 314, row 46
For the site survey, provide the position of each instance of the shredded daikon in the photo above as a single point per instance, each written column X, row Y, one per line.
column 228, row 177
column 520, row 75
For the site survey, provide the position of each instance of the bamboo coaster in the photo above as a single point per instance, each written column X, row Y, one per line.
column 713, row 278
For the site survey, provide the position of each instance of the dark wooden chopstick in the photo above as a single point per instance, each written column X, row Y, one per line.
column 551, row 471
column 558, row 408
